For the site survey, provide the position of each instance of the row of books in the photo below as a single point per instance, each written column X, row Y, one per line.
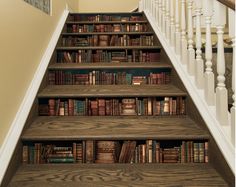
column 106, row 40
column 59, row 77
column 90, row 56
column 76, row 28
column 113, row 107
column 91, row 151
column 103, row 17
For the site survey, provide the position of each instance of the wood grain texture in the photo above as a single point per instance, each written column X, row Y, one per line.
column 104, row 22
column 107, row 33
column 109, row 13
column 72, row 91
column 171, row 175
column 109, row 65
column 108, row 47
column 113, row 127
column 228, row 3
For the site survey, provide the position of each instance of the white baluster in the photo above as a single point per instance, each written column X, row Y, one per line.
column 232, row 35
column 147, row 4
column 167, row 20
column 232, row 110
column 199, row 68
column 183, row 33
column 140, row 6
column 152, row 8
column 177, row 31
column 221, row 91
column 160, row 14
column 163, row 16
column 172, row 24
column 209, row 82
column 191, row 51
column 144, row 4
column 156, row 10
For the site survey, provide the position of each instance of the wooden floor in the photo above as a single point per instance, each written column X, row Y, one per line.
column 111, row 91
column 99, row 175
column 114, row 127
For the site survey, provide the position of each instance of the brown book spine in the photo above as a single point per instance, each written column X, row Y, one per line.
column 25, row 154
column 206, row 152
column 74, row 150
column 90, row 151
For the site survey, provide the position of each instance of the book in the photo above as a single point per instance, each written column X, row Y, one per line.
column 90, row 151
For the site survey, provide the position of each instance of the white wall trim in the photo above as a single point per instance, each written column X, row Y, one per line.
column 18, row 123
column 207, row 113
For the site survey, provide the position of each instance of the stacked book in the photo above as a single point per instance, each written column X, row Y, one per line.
column 61, row 155
column 128, row 107
column 107, row 151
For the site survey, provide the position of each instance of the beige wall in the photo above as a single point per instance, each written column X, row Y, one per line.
column 107, row 5
column 24, row 35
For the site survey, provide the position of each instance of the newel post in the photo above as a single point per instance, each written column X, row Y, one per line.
column 221, row 91
column 209, row 82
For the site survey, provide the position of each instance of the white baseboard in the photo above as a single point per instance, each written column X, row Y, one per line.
column 18, row 123
column 221, row 137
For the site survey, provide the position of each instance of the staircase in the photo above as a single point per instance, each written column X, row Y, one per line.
column 172, row 144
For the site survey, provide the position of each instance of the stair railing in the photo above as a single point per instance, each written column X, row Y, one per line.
column 172, row 17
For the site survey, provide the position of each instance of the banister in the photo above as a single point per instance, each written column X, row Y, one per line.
column 216, row 99
column 228, row 3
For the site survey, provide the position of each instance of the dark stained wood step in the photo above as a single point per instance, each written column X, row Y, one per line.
column 107, row 47
column 113, row 128
column 109, row 65
column 104, row 22
column 117, row 175
column 106, row 33
column 73, row 91
column 107, row 13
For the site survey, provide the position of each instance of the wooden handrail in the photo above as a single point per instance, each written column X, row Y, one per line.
column 228, row 3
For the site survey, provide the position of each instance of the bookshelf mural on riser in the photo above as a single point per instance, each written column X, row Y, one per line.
column 160, row 106
column 104, row 151
column 103, row 54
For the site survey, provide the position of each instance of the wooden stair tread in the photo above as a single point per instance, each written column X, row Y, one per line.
column 110, row 91
column 109, row 65
column 104, row 22
column 108, row 47
column 178, row 175
column 113, row 127
column 106, row 33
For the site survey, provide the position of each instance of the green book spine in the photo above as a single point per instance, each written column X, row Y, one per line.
column 61, row 160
